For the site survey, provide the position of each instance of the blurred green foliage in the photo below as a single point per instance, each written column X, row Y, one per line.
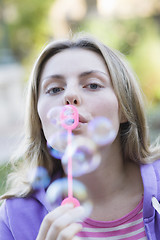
column 4, row 170
column 28, row 28
column 139, row 40
column 154, row 123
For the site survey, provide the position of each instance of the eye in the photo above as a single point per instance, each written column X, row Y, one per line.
column 93, row 86
column 54, row 90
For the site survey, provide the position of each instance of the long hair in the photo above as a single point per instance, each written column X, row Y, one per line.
column 133, row 133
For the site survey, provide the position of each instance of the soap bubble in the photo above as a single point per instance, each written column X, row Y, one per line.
column 101, row 131
column 39, row 178
column 58, row 191
column 58, row 140
column 54, row 115
column 63, row 119
column 54, row 153
column 68, row 110
column 85, row 157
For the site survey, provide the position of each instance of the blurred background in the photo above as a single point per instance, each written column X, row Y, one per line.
column 133, row 27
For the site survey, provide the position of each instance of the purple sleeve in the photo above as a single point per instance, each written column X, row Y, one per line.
column 5, row 233
column 20, row 218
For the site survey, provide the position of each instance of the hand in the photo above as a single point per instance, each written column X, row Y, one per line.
column 60, row 224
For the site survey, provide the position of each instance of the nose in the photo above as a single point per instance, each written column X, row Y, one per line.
column 72, row 99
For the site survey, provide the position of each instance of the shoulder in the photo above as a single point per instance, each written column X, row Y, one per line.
column 153, row 169
column 151, row 181
column 5, row 232
column 23, row 216
column 156, row 166
column 151, row 178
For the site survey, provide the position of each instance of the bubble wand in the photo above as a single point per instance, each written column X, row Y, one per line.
column 69, row 120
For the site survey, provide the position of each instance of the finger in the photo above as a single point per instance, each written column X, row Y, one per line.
column 71, row 216
column 50, row 218
column 70, row 232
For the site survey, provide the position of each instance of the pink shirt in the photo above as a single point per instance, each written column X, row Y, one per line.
column 129, row 227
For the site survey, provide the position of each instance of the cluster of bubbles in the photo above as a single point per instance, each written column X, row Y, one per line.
column 83, row 150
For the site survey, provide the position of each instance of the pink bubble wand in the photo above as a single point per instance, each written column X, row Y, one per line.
column 69, row 122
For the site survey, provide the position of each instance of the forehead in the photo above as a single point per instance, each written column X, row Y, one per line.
column 74, row 61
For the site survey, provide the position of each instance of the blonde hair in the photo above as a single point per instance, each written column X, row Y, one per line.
column 133, row 133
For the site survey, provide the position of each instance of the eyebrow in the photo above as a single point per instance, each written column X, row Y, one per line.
column 83, row 74
column 56, row 76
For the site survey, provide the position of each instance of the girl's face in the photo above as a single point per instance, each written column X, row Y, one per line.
column 78, row 77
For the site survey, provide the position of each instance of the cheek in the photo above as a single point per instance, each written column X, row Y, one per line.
column 43, row 109
column 108, row 107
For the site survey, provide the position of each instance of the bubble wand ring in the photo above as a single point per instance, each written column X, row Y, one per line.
column 69, row 120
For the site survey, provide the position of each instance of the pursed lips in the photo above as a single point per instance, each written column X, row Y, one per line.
column 82, row 119
column 82, row 122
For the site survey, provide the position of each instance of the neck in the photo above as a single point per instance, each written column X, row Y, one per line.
column 109, row 174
